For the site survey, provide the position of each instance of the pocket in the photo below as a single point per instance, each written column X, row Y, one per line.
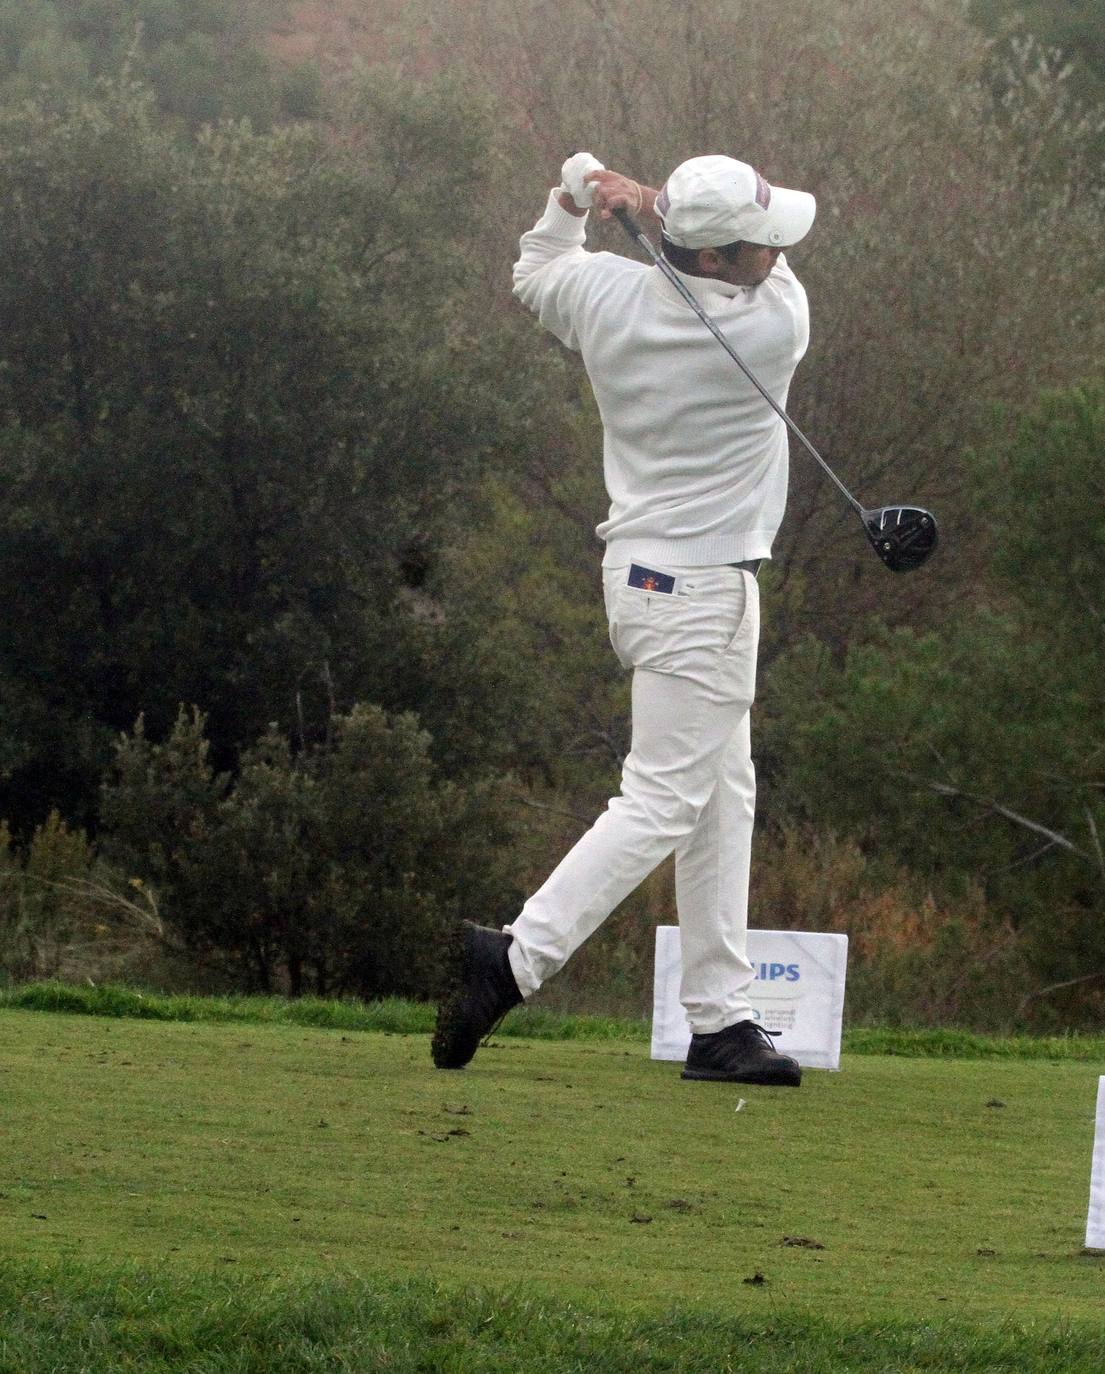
column 687, row 635
column 742, row 652
column 748, row 628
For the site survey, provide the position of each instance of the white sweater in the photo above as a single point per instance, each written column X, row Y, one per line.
column 695, row 460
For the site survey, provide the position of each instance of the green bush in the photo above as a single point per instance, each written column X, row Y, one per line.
column 230, row 407
column 972, row 754
column 203, row 61
column 335, row 870
column 44, row 906
column 914, row 958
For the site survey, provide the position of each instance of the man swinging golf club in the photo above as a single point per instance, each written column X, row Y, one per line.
column 695, row 462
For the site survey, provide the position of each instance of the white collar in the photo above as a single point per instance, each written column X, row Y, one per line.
column 701, row 287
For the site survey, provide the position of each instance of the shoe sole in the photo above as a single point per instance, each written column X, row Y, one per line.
column 763, row 1080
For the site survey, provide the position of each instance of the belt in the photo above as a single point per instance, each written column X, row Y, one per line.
column 669, row 584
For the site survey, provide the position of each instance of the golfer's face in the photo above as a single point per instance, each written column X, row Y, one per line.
column 753, row 264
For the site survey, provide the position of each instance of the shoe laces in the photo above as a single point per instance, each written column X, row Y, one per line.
column 487, row 1038
column 754, row 1028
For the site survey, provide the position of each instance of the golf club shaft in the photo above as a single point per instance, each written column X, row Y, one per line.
column 633, row 229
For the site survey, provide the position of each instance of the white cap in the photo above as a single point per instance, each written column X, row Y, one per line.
column 711, row 201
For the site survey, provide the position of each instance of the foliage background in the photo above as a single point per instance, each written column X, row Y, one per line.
column 284, row 468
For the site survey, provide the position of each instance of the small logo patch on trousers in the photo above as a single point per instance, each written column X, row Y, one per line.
column 649, row 580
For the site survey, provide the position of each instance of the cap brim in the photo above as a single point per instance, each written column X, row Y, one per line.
column 788, row 220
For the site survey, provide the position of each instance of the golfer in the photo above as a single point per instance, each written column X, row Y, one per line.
column 695, row 464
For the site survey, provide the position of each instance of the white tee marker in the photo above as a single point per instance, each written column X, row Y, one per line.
column 1095, row 1225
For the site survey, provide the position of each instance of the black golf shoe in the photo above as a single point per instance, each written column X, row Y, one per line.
column 743, row 1053
column 478, row 991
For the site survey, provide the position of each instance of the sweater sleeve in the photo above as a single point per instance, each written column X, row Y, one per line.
column 550, row 267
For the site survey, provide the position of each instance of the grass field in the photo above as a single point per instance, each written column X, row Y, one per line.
column 163, row 1182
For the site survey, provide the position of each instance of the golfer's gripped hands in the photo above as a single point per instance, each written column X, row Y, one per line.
column 612, row 191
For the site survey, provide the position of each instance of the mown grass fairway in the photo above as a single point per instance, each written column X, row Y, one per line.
column 572, row 1171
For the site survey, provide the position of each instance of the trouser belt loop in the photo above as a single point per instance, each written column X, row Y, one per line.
column 750, row 565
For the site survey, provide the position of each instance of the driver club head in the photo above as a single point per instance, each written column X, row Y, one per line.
column 902, row 536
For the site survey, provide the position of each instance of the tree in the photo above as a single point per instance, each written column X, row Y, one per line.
column 236, row 399
column 203, row 61
column 977, row 752
column 932, row 271
column 1072, row 31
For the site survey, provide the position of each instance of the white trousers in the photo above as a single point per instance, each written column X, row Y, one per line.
column 688, row 786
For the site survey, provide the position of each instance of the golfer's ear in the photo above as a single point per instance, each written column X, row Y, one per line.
column 709, row 261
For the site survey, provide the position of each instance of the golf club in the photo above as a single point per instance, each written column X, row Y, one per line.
column 902, row 536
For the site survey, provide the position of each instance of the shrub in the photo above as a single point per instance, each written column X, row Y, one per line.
column 335, row 870
column 42, row 905
column 914, row 957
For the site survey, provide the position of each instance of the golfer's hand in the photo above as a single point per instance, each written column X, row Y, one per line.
column 612, row 191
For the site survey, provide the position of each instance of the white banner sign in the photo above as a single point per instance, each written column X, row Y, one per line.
column 1095, row 1226
column 798, row 994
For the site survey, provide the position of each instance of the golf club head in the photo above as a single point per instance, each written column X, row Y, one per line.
column 902, row 536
